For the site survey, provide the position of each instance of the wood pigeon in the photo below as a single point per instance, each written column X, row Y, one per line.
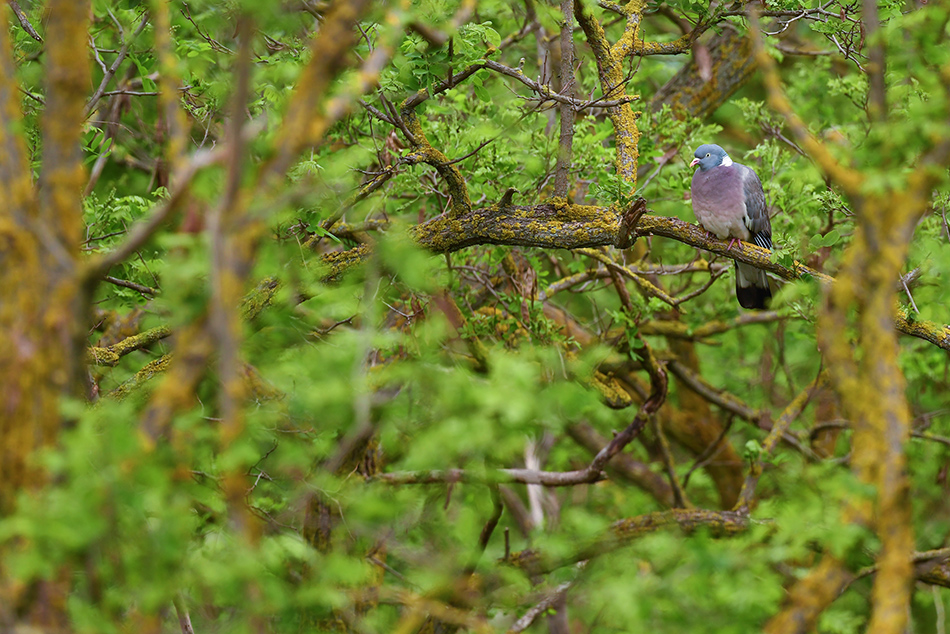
column 729, row 202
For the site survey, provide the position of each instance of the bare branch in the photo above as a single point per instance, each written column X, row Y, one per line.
column 144, row 290
column 517, row 476
column 875, row 69
column 565, row 152
column 546, row 93
column 542, row 607
column 625, row 531
column 144, row 229
column 24, row 21
column 184, row 619
column 110, row 72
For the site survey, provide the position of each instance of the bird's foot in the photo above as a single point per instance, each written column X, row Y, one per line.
column 732, row 243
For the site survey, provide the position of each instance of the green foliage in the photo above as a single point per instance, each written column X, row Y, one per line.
column 613, row 190
column 378, row 352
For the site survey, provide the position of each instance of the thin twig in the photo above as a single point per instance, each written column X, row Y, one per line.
column 140, row 233
column 540, row 608
column 679, row 494
column 110, row 73
column 144, row 290
column 709, row 452
column 909, row 296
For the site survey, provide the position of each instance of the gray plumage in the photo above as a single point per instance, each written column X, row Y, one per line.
column 729, row 202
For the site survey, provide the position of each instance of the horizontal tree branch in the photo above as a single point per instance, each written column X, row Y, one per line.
column 560, row 225
column 110, row 356
column 933, row 567
column 517, row 476
column 592, row 473
column 681, row 330
column 140, row 288
column 625, row 531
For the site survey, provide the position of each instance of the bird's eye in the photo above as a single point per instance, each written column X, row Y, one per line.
column 707, row 154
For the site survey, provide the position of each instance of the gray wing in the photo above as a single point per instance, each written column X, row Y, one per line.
column 757, row 215
column 752, row 284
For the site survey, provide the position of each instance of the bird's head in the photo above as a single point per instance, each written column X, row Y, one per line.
column 709, row 156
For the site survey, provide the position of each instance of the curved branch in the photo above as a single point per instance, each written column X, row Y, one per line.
column 689, row 93
column 624, row 466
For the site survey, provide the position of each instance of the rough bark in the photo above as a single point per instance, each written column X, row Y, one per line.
column 689, row 94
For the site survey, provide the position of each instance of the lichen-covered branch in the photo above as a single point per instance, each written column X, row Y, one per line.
column 625, row 531
column 43, row 306
column 856, row 331
column 689, row 93
column 809, row 597
column 43, row 309
column 613, row 82
column 110, row 356
column 560, row 225
column 62, row 174
column 548, row 225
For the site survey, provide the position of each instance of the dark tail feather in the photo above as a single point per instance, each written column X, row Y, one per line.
column 752, row 287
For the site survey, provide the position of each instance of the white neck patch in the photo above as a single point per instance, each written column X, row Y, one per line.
column 726, row 161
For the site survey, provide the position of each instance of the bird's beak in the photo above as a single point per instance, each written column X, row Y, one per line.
column 694, row 162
